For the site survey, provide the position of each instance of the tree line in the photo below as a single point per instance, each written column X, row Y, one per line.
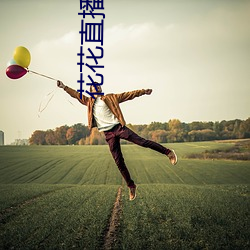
column 172, row 131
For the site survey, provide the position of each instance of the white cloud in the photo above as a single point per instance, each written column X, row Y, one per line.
column 127, row 34
column 67, row 39
column 57, row 57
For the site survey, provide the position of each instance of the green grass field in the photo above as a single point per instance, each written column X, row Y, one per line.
column 62, row 197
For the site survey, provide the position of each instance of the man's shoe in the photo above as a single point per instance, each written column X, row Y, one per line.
column 172, row 157
column 132, row 193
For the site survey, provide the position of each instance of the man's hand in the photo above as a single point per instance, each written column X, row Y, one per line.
column 148, row 91
column 60, row 84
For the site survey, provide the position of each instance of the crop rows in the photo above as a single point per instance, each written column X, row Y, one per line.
column 187, row 217
column 55, row 197
column 65, row 218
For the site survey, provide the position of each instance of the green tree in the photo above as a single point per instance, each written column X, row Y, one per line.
column 236, row 129
column 202, row 135
column 175, row 133
column 76, row 133
column 196, row 126
column 217, row 129
column 157, row 125
column 244, row 130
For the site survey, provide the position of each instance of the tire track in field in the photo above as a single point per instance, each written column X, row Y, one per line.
column 176, row 175
column 112, row 228
column 46, row 166
column 84, row 181
column 94, row 175
column 48, row 169
column 12, row 164
column 6, row 214
column 195, row 178
column 67, row 172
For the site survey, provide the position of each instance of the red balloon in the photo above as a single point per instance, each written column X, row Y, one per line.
column 15, row 71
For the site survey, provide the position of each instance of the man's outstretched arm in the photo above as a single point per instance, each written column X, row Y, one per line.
column 132, row 94
column 73, row 93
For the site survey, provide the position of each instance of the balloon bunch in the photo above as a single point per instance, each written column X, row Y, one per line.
column 18, row 64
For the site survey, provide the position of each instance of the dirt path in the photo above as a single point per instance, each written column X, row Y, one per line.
column 111, row 235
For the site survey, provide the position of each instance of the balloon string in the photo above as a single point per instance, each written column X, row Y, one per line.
column 50, row 96
column 31, row 71
column 71, row 103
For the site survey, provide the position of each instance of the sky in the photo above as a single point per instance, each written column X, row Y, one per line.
column 194, row 54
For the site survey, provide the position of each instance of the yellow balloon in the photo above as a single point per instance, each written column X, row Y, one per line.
column 22, row 56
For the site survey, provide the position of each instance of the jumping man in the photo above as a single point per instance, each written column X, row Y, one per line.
column 104, row 113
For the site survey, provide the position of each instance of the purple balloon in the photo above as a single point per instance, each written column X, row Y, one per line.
column 15, row 71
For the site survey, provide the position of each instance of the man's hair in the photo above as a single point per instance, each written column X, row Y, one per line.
column 92, row 86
